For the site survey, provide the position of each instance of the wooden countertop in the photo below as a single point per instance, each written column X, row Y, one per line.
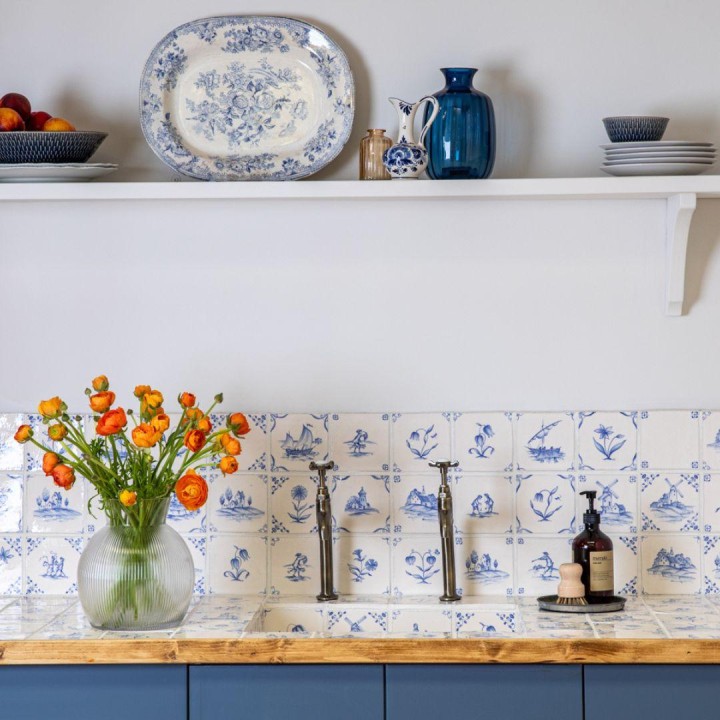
column 221, row 630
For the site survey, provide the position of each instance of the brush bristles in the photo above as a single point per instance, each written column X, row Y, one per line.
column 572, row 601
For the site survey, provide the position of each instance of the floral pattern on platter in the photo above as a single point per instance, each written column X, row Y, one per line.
column 247, row 98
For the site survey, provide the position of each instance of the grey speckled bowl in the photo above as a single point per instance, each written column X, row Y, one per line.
column 49, row 147
column 635, row 128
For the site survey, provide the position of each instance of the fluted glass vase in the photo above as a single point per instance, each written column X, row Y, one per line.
column 137, row 572
column 461, row 141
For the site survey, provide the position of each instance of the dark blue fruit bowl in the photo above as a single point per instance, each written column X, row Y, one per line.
column 30, row 146
column 635, row 128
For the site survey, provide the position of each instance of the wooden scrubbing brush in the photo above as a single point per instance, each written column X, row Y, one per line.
column 571, row 591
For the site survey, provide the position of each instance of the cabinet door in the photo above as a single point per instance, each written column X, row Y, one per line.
column 286, row 692
column 484, row 692
column 96, row 692
column 660, row 692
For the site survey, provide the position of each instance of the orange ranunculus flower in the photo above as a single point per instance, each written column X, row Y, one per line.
column 52, row 408
column 195, row 440
column 113, row 421
column 57, row 432
column 100, row 383
column 127, row 497
column 205, row 424
column 186, row 399
column 145, row 435
column 102, row 401
column 228, row 465
column 50, row 461
column 239, row 424
column 161, row 422
column 23, row 434
column 191, row 490
column 193, row 414
column 232, row 445
column 63, row 476
column 141, row 390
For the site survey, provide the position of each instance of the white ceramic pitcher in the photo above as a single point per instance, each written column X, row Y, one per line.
column 407, row 159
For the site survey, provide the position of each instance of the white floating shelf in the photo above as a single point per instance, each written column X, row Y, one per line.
column 680, row 193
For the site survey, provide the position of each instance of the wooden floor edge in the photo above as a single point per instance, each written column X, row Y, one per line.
column 361, row 651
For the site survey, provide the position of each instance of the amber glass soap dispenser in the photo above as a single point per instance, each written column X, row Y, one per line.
column 593, row 550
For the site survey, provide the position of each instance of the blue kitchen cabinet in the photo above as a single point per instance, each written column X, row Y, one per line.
column 286, row 692
column 484, row 692
column 94, row 692
column 660, row 692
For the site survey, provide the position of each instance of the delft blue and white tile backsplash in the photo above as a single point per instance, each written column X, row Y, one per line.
column 516, row 496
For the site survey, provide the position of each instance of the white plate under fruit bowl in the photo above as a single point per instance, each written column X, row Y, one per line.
column 657, row 145
column 655, row 169
column 659, row 153
column 48, row 172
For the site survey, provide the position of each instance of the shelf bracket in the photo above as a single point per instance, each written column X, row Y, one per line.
column 678, row 215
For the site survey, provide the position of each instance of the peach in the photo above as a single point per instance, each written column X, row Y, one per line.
column 58, row 125
column 17, row 102
column 37, row 120
column 10, row 121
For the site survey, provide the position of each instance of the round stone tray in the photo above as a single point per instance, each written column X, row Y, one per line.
column 612, row 603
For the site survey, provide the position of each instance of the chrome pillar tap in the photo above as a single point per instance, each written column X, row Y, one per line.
column 323, row 512
column 447, row 532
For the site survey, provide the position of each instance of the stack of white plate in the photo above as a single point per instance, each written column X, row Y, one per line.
column 662, row 157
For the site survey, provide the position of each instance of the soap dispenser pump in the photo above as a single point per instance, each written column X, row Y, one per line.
column 593, row 550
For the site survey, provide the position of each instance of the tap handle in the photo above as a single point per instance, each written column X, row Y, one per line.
column 444, row 464
column 322, row 469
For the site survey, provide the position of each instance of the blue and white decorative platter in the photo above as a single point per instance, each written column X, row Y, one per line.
column 247, row 98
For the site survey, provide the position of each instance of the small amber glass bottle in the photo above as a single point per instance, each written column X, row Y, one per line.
column 593, row 549
column 372, row 147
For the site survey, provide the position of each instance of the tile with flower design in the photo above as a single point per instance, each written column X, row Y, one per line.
column 483, row 441
column 417, row 565
column 292, row 503
column 616, row 500
column 670, row 502
column 607, row 441
column 237, row 564
column 545, row 504
column 360, row 442
column 544, row 441
column 296, row 440
column 237, row 503
column 418, row 439
column 483, row 503
column 669, row 440
column 362, row 565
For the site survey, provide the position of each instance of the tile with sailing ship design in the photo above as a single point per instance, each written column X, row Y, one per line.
column 360, row 442
column 607, row 441
column 545, row 441
column 296, row 440
column 483, row 442
column 669, row 439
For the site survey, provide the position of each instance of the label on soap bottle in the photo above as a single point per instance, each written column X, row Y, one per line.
column 601, row 571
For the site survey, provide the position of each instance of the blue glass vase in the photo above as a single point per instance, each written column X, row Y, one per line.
column 461, row 141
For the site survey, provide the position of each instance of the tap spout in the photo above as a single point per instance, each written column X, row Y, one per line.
column 447, row 532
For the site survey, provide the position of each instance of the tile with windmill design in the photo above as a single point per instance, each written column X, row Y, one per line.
column 617, row 500
column 670, row 502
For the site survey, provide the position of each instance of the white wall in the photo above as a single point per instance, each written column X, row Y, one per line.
column 410, row 306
